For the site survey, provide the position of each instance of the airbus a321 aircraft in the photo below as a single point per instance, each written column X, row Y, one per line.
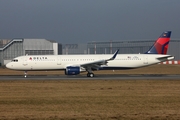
column 74, row 64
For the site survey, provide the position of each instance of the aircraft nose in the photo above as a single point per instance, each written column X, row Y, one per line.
column 8, row 65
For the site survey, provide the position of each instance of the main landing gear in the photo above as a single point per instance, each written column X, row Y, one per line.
column 90, row 74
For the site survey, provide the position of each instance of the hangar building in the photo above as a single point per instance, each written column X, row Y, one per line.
column 17, row 47
column 130, row 47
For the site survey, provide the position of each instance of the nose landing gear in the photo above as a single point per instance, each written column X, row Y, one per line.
column 25, row 74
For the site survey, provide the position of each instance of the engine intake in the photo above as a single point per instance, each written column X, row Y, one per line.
column 72, row 70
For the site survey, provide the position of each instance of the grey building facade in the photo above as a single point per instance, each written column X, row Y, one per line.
column 74, row 49
column 10, row 49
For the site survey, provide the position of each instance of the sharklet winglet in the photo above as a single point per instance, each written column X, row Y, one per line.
column 114, row 55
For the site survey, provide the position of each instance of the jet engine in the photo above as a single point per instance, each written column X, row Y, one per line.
column 70, row 70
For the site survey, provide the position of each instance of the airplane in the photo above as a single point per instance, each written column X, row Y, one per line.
column 75, row 64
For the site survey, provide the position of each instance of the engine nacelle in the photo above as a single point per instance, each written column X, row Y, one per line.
column 72, row 70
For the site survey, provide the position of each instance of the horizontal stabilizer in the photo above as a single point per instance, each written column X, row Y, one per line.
column 166, row 58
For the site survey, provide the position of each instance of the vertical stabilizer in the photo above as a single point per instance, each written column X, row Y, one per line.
column 161, row 44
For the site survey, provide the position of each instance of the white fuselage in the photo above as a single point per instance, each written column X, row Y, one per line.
column 60, row 62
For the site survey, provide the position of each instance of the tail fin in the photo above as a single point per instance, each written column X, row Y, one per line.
column 161, row 44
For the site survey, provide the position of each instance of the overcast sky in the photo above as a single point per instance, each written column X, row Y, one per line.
column 82, row 21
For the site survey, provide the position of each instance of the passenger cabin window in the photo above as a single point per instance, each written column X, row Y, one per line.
column 15, row 60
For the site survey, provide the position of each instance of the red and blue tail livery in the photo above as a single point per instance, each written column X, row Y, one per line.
column 161, row 44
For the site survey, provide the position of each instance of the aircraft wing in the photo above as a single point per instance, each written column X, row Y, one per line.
column 98, row 63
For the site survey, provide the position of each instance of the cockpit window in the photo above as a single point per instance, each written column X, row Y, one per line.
column 15, row 60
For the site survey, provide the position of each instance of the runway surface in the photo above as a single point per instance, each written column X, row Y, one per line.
column 97, row 77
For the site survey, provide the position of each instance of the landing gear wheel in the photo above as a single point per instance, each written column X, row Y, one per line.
column 90, row 74
column 25, row 74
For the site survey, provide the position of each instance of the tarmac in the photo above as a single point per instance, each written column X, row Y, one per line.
column 97, row 77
